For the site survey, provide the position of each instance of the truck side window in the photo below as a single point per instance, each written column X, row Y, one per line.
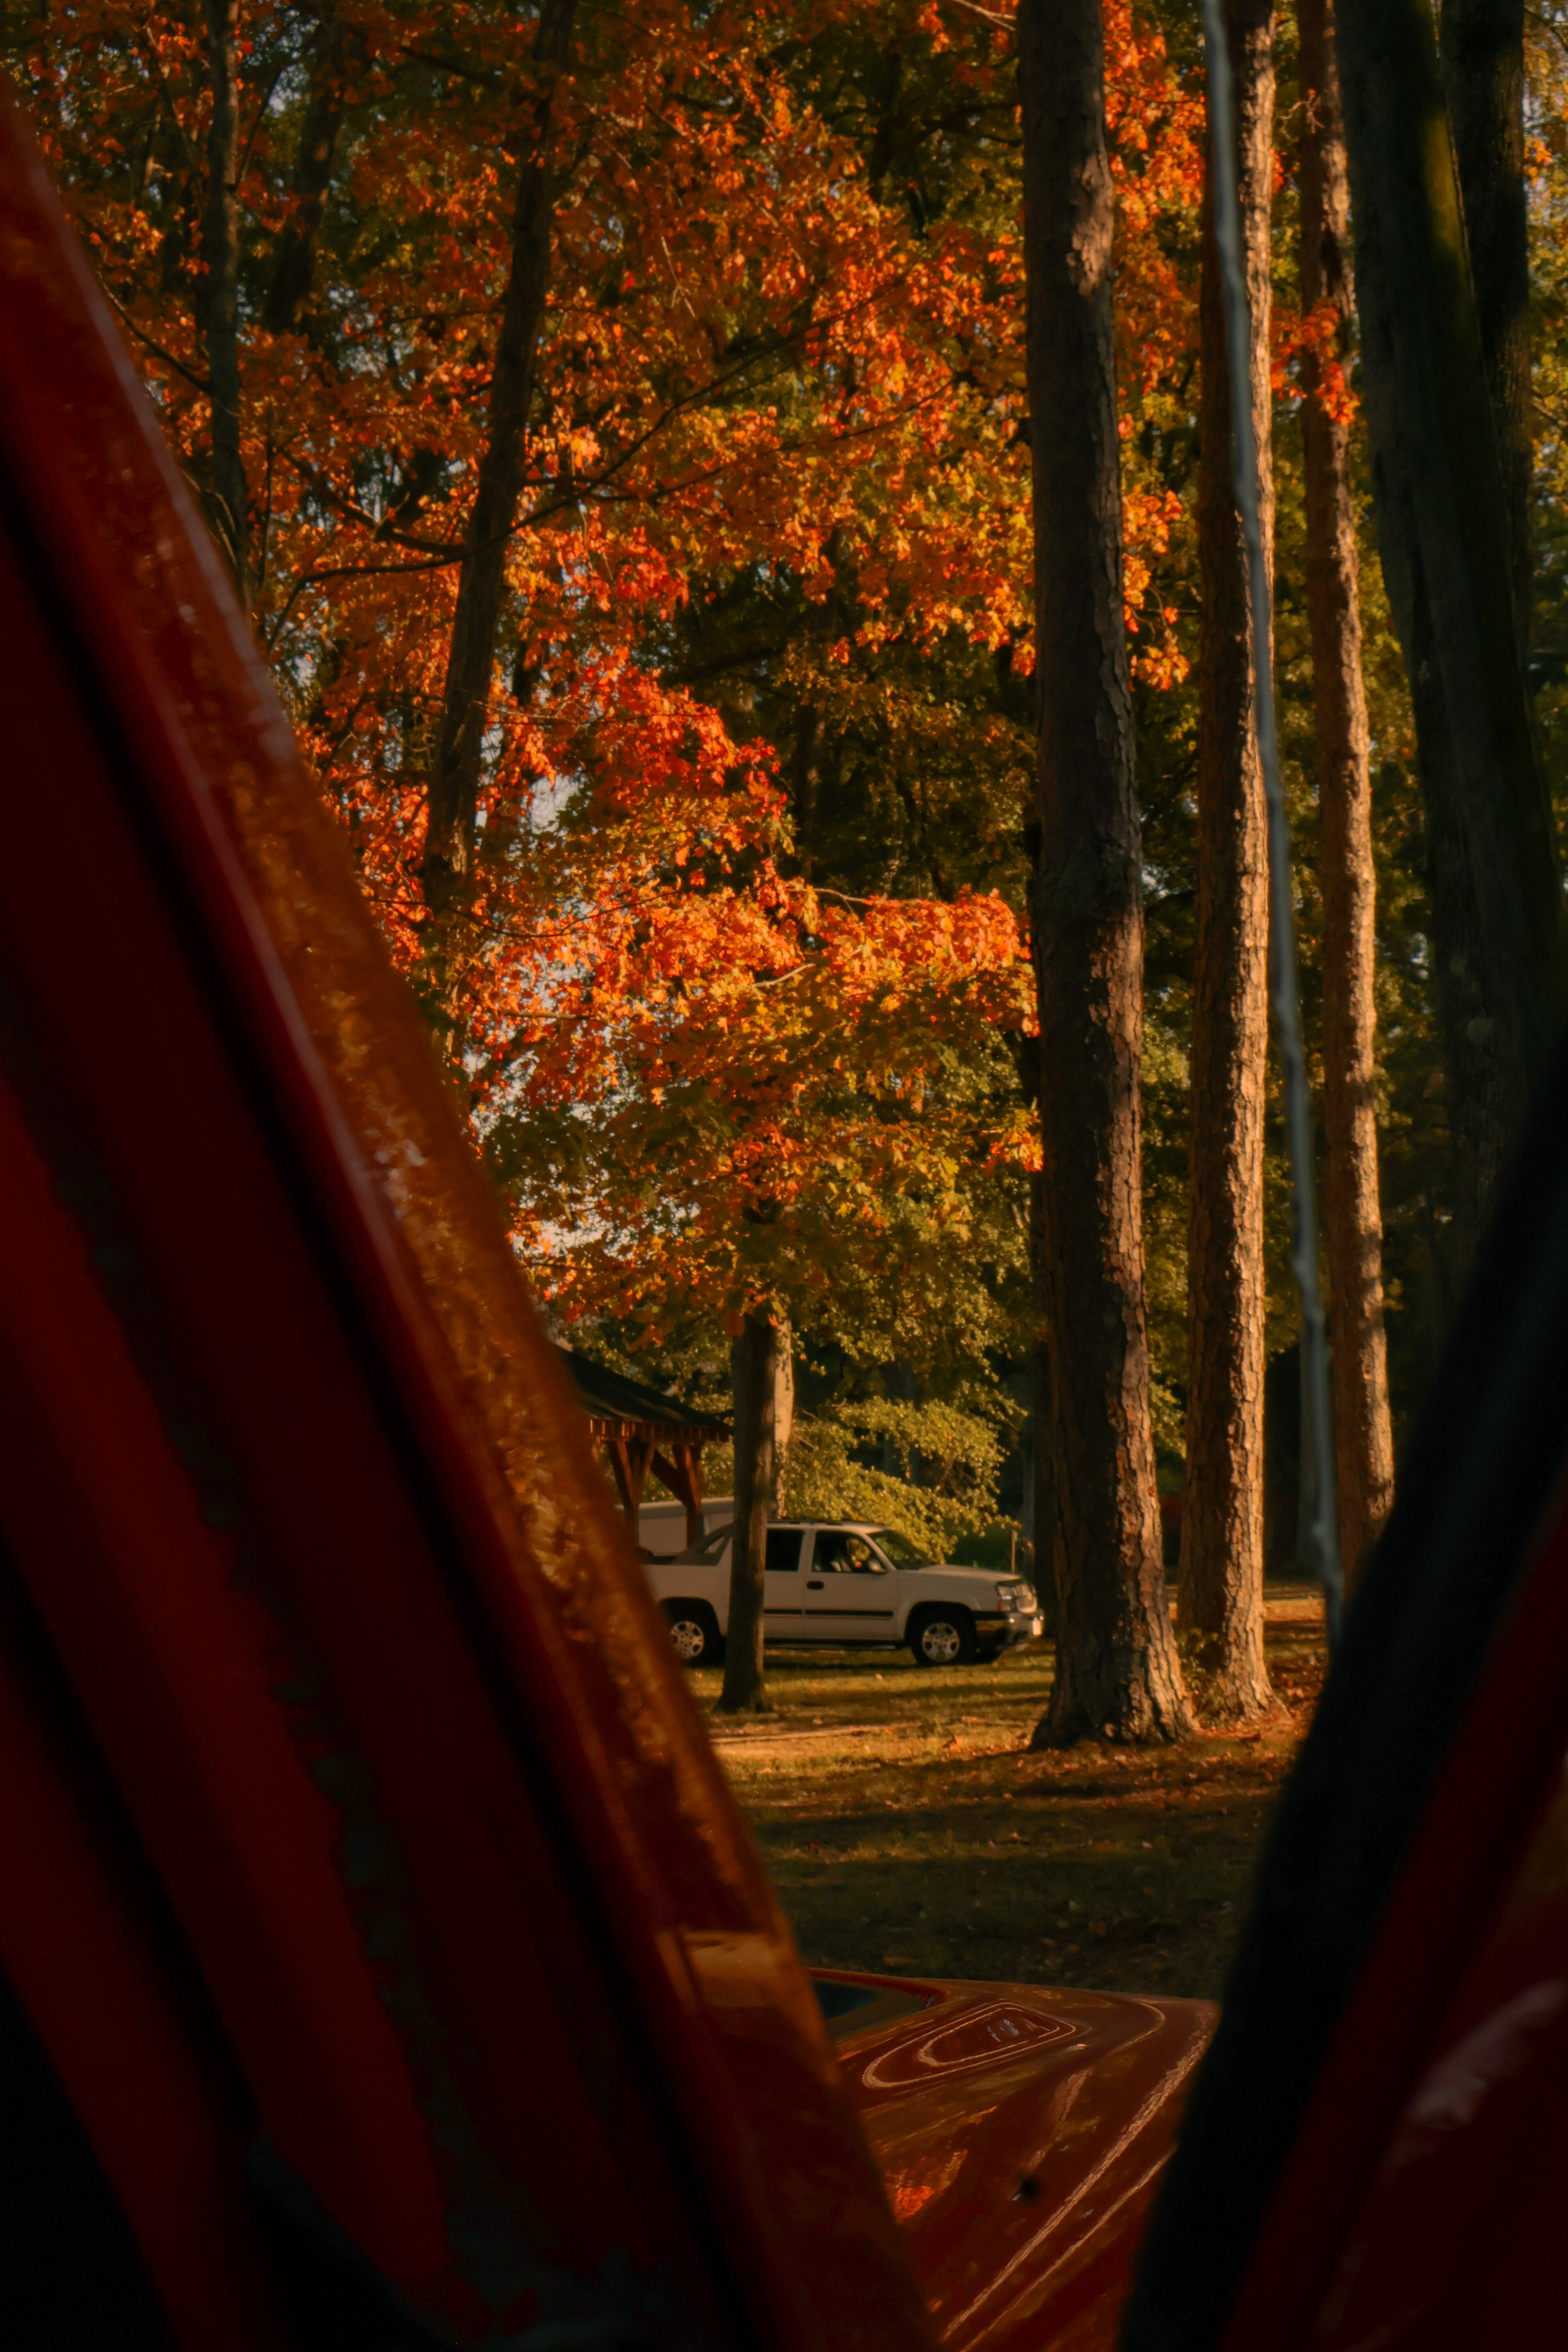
column 784, row 1550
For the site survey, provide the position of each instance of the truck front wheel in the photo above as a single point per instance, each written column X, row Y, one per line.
column 943, row 1637
column 694, row 1630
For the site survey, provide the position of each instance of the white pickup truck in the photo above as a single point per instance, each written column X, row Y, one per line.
column 843, row 1585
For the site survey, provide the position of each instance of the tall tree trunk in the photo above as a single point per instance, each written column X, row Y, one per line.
column 446, row 872
column 758, row 1351
column 1221, row 1576
column 227, row 502
column 1364, row 1439
column 294, row 265
column 1117, row 1668
column 784, row 1413
column 1449, row 562
column 1483, row 76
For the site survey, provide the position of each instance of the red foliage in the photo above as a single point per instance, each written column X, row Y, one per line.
column 703, row 1079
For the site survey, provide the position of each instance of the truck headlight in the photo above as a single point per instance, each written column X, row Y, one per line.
column 1018, row 1597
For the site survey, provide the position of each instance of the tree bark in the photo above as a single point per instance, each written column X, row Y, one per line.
column 1117, row 1670
column 1482, row 49
column 1221, row 1574
column 784, row 1415
column 758, row 1355
column 227, row 500
column 1364, row 1439
column 446, row 871
column 1448, row 559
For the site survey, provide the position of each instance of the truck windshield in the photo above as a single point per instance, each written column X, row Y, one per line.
column 898, row 1548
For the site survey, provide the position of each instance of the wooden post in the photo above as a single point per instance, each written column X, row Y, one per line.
column 681, row 1472
column 629, row 1460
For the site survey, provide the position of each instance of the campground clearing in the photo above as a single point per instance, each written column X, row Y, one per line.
column 909, row 1831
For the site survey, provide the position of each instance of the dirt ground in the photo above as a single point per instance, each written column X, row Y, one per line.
column 908, row 1829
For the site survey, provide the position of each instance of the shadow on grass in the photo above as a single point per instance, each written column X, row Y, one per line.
column 908, row 1829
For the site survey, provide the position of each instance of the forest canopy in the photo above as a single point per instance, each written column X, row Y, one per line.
column 695, row 795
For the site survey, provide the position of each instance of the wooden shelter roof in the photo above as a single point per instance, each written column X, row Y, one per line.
column 619, row 1408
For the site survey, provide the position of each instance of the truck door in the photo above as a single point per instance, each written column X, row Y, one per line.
column 784, row 1596
column 850, row 1593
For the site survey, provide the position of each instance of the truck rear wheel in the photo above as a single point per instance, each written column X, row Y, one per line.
column 943, row 1637
column 694, row 1631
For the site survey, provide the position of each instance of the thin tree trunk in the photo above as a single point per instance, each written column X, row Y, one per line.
column 1042, row 1506
column 1221, row 1577
column 1117, row 1669
column 446, row 872
column 1039, row 1509
column 294, row 265
column 1364, row 1439
column 227, row 502
column 758, row 1351
column 1449, row 562
column 1482, row 46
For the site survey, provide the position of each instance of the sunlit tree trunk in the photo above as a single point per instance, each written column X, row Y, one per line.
column 1221, row 1578
column 1117, row 1669
column 446, row 874
column 1364, row 1441
column 760, row 1356
column 784, row 1413
column 1483, row 76
column 227, row 500
column 1449, row 560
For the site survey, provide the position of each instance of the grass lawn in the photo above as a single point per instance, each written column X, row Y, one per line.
column 909, row 1831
